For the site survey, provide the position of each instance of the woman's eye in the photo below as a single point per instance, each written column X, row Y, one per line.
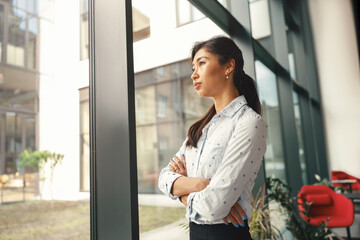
column 201, row 63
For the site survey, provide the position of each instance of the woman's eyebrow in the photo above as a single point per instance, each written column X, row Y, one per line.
column 198, row 59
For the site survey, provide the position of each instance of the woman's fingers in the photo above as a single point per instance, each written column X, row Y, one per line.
column 177, row 166
column 184, row 160
column 232, row 219
column 225, row 220
column 172, row 168
column 178, row 163
column 237, row 216
column 240, row 210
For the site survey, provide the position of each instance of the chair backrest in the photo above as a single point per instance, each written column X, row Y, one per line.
column 340, row 175
column 325, row 203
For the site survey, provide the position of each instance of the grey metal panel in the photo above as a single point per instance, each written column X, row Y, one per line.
column 290, row 140
column 309, row 53
column 277, row 23
column 240, row 11
column 114, row 202
column 319, row 140
column 309, row 141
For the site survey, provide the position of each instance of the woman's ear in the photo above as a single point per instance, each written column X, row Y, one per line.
column 230, row 66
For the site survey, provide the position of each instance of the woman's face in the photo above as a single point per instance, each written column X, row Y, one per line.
column 208, row 75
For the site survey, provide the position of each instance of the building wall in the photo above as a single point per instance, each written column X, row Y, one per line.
column 339, row 78
column 61, row 75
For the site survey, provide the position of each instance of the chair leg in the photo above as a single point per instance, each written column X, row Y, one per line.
column 348, row 233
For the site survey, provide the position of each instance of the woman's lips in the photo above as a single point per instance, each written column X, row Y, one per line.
column 196, row 85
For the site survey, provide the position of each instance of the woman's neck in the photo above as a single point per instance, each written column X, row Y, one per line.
column 224, row 99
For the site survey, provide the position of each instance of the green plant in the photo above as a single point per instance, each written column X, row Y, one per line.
column 260, row 226
column 38, row 159
column 326, row 182
column 281, row 193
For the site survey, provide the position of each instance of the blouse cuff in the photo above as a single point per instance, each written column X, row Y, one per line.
column 191, row 213
column 170, row 181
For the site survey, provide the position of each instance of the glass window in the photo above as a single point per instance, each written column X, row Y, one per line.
column 300, row 138
column 19, row 4
column 2, row 28
column 145, row 105
column 33, row 36
column 35, row 117
column 194, row 106
column 16, row 39
column 32, row 6
column 183, row 12
column 260, row 23
column 168, row 105
column 84, row 146
column 267, row 87
column 147, row 158
column 84, row 31
column 18, row 89
column 141, row 25
column 187, row 13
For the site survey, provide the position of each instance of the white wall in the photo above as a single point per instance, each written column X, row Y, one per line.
column 338, row 67
column 62, row 74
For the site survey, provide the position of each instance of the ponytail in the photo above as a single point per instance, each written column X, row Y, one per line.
column 247, row 87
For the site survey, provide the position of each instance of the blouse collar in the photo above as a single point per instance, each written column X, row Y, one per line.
column 232, row 108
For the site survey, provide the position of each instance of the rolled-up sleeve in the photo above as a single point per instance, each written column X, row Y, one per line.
column 167, row 177
column 242, row 160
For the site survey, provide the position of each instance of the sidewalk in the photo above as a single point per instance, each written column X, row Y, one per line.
column 172, row 231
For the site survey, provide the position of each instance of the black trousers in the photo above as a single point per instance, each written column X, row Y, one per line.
column 219, row 232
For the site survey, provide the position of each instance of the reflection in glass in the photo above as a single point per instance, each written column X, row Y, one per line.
column 33, row 33
column 274, row 156
column 187, row 13
column 2, row 22
column 32, row 6
column 141, row 25
column 18, row 89
column 147, row 157
column 145, row 105
column 84, row 146
column 300, row 138
column 84, row 32
column 40, row 111
column 260, row 23
column 168, row 105
column 16, row 39
column 194, row 105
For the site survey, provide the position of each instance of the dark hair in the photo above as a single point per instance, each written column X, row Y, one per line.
column 226, row 49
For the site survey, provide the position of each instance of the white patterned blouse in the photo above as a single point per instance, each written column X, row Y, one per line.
column 229, row 153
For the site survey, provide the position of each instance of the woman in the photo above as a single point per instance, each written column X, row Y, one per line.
column 214, row 171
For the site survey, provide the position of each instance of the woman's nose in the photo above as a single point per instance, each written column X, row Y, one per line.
column 194, row 75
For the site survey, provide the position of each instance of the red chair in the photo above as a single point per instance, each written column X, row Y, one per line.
column 326, row 203
column 339, row 175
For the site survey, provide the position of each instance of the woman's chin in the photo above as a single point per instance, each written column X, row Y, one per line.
column 201, row 93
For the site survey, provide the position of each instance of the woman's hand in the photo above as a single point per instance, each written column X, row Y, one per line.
column 183, row 199
column 177, row 166
column 236, row 216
